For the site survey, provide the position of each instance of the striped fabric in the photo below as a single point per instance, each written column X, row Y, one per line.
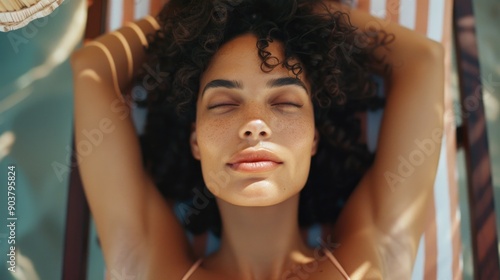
column 122, row 11
column 439, row 255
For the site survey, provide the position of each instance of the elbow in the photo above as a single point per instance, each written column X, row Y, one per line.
column 84, row 68
column 425, row 55
column 77, row 59
column 426, row 59
column 76, row 62
column 84, row 62
column 436, row 51
column 433, row 52
column 74, row 58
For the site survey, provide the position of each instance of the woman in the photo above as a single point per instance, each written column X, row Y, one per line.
column 260, row 84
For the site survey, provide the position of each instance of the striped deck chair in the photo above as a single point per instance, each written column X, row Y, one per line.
column 439, row 254
column 472, row 138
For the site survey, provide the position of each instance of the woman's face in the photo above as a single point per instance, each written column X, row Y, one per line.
column 254, row 132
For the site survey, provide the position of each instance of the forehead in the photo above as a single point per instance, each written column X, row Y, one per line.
column 238, row 59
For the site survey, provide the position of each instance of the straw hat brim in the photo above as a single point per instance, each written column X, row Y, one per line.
column 17, row 19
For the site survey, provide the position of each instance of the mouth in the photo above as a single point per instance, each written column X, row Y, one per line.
column 253, row 161
column 255, row 166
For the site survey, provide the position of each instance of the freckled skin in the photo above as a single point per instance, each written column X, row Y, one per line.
column 221, row 132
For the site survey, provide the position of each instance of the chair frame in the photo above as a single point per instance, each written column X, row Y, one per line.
column 78, row 213
column 472, row 136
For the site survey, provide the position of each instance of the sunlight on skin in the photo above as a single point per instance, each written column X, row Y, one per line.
column 405, row 219
column 401, row 252
column 361, row 271
column 91, row 74
column 300, row 257
column 399, row 241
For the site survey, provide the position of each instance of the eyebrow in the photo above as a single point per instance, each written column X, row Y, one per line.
column 279, row 82
column 286, row 81
column 220, row 83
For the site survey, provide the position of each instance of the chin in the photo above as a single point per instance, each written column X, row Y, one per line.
column 256, row 194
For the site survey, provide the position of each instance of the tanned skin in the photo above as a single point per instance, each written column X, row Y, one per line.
column 379, row 228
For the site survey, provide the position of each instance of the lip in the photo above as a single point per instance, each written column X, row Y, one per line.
column 251, row 160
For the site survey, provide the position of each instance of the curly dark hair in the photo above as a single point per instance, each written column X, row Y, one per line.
column 336, row 58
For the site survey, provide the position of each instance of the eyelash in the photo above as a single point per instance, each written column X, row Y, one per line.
column 289, row 104
column 220, row 105
column 276, row 104
column 281, row 104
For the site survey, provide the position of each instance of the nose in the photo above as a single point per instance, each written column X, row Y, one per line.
column 255, row 130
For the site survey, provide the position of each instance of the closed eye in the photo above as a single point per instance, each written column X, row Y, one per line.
column 288, row 104
column 221, row 105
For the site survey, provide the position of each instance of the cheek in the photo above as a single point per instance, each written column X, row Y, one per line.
column 212, row 133
column 214, row 137
column 294, row 132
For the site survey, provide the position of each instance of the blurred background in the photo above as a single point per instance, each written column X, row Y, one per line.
column 36, row 107
column 487, row 15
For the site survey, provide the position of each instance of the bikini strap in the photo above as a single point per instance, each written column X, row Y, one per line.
column 327, row 253
column 192, row 269
column 336, row 263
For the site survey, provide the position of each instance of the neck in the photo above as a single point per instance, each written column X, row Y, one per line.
column 260, row 242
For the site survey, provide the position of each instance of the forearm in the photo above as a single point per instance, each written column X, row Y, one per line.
column 122, row 51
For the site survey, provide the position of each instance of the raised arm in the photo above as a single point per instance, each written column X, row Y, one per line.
column 135, row 225
column 389, row 207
